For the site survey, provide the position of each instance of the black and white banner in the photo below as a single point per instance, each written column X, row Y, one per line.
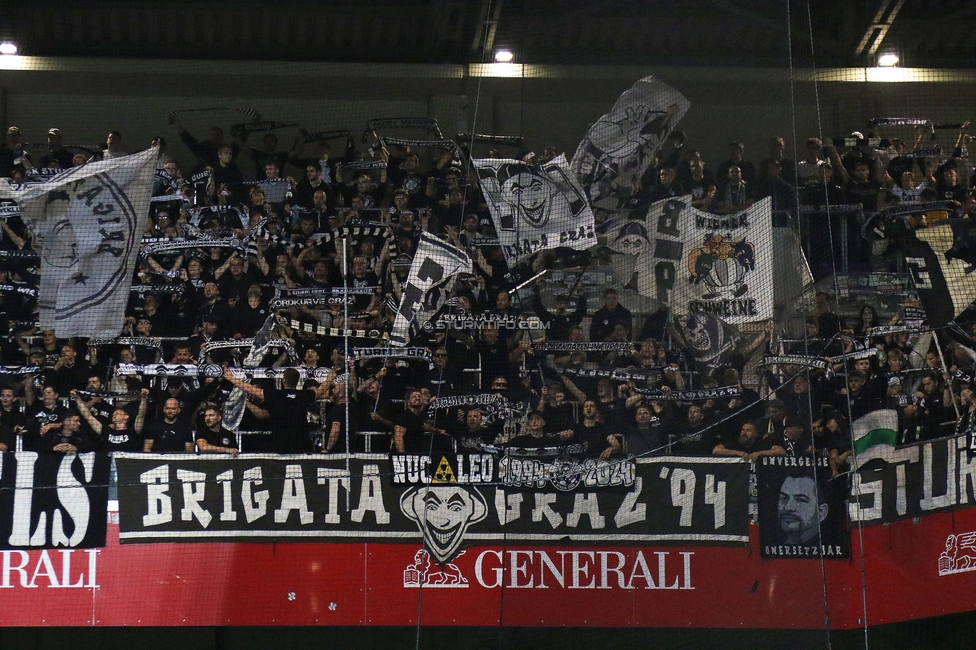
column 941, row 259
column 322, row 330
column 621, row 145
column 215, row 371
column 690, row 395
column 421, row 354
column 709, row 339
column 483, row 399
column 584, row 346
column 801, row 509
column 53, row 500
column 818, row 363
column 435, row 267
column 535, row 207
column 613, row 374
column 198, row 498
column 90, row 220
column 914, row 480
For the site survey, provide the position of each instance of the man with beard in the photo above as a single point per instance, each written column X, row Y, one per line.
column 214, row 438
column 169, row 434
column 410, row 430
column 802, row 508
column 749, row 446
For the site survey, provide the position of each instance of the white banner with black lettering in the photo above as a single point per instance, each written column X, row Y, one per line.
column 89, row 223
column 435, row 267
column 905, row 482
column 694, row 261
column 535, row 207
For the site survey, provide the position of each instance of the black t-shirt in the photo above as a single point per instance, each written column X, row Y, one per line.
column 415, row 441
column 222, row 438
column 38, row 416
column 168, row 437
column 7, row 437
column 642, row 442
column 695, row 442
column 121, row 439
column 12, row 418
column 593, row 438
column 289, row 419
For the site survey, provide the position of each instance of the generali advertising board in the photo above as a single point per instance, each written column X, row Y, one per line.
column 666, row 543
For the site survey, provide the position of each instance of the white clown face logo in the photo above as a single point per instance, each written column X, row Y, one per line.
column 529, row 194
column 443, row 513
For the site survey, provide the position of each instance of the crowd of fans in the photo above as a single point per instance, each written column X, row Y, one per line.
column 57, row 394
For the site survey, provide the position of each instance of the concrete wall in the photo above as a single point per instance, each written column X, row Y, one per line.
column 547, row 105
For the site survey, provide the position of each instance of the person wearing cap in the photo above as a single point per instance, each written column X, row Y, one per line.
column 776, row 419
column 535, row 433
column 450, row 212
column 443, row 378
column 57, row 153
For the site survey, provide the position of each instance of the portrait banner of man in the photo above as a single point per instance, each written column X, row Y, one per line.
column 535, row 207
column 802, row 511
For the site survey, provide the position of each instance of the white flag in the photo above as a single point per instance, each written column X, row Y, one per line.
column 620, row 147
column 88, row 223
column 535, row 207
column 432, row 274
column 694, row 261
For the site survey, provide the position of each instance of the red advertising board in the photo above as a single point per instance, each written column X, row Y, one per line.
column 913, row 570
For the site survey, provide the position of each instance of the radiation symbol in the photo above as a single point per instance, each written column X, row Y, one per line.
column 444, row 473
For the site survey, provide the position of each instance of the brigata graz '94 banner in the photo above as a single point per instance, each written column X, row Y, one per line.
column 53, row 500
column 450, row 503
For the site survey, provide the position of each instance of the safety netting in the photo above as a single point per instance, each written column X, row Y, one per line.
column 494, row 346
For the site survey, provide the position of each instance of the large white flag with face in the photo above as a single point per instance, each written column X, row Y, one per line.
column 87, row 223
column 535, row 207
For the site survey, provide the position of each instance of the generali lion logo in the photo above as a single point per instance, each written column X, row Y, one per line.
column 443, row 513
column 960, row 554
